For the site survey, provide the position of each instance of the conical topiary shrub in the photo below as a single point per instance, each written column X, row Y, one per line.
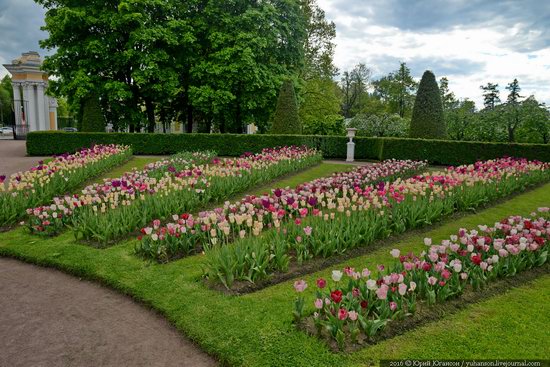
column 427, row 117
column 93, row 119
column 286, row 119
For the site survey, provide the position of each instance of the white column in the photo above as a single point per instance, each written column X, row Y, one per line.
column 29, row 106
column 17, row 101
column 41, row 108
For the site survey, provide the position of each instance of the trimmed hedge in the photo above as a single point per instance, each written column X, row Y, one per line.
column 443, row 152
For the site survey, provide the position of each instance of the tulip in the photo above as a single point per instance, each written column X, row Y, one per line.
column 300, row 285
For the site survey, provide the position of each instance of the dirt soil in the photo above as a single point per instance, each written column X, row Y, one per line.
column 49, row 318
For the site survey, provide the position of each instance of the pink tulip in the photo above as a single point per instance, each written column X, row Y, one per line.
column 300, row 285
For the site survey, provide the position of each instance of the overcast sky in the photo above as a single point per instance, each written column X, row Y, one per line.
column 472, row 42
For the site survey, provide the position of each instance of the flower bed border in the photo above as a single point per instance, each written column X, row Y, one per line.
column 426, row 314
column 241, row 287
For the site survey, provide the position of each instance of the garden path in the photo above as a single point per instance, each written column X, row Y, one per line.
column 52, row 319
column 13, row 157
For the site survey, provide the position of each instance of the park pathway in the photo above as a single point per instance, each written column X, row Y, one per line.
column 49, row 318
column 13, row 157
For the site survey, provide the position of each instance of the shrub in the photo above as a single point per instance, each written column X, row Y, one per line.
column 92, row 116
column 427, row 118
column 286, row 119
column 443, row 152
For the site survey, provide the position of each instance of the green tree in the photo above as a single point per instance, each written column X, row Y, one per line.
column 512, row 109
column 93, row 119
column 286, row 119
column 460, row 119
column 6, row 102
column 354, row 89
column 319, row 43
column 320, row 108
column 491, row 95
column 535, row 125
column 427, row 117
column 398, row 90
column 383, row 125
column 203, row 61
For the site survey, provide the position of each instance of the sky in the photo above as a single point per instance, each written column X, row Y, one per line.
column 471, row 42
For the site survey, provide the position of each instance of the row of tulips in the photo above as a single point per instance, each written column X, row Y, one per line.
column 334, row 222
column 58, row 176
column 250, row 216
column 359, row 304
column 107, row 211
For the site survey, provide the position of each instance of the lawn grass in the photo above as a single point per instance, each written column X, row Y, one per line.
column 135, row 162
column 256, row 329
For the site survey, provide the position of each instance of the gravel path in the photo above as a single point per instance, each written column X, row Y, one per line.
column 49, row 318
column 13, row 157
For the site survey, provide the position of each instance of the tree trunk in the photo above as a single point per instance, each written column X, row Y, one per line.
column 150, row 109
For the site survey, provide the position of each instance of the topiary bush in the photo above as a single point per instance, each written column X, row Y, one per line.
column 93, row 119
column 427, row 118
column 286, row 119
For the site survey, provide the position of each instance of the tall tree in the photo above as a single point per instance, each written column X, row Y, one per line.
column 427, row 118
column 448, row 98
column 460, row 119
column 320, row 107
column 354, row 89
column 397, row 89
column 286, row 119
column 209, row 60
column 491, row 95
column 535, row 117
column 512, row 109
column 319, row 43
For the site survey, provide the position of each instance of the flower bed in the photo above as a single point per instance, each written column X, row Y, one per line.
column 360, row 304
column 360, row 216
column 252, row 215
column 105, row 212
column 56, row 177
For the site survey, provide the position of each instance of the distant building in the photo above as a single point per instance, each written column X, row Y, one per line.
column 34, row 110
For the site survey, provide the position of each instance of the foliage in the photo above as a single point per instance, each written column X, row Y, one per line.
column 199, row 61
column 320, row 108
column 383, row 125
column 397, row 89
column 491, row 95
column 7, row 116
column 435, row 151
column 92, row 116
column 427, row 118
column 460, row 119
column 286, row 119
column 319, row 44
column 354, row 86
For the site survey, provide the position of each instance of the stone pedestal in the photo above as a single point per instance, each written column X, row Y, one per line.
column 351, row 152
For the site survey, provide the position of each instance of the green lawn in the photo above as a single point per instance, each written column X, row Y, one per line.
column 256, row 329
column 136, row 162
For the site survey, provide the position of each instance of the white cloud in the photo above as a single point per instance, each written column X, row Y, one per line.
column 468, row 54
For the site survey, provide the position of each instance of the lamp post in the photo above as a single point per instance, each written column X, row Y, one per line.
column 351, row 144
